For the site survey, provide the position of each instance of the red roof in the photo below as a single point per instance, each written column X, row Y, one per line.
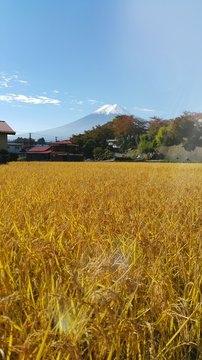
column 5, row 128
column 40, row 149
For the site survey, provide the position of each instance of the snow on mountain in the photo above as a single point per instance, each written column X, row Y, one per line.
column 112, row 109
column 99, row 117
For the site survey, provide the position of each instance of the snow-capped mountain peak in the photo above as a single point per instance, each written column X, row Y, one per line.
column 101, row 116
column 112, row 109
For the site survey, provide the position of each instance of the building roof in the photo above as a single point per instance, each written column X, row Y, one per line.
column 5, row 128
column 40, row 149
column 47, row 149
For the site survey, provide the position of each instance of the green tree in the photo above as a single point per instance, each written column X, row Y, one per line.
column 154, row 125
column 98, row 136
column 41, row 141
column 98, row 153
column 168, row 135
column 4, row 156
column 146, row 145
column 88, row 148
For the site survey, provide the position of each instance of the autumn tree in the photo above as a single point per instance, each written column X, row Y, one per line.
column 154, row 125
column 127, row 130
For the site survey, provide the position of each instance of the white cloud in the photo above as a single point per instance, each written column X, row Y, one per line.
column 4, row 81
column 10, row 98
column 144, row 109
column 56, row 91
column 25, row 82
column 94, row 101
column 77, row 102
column 74, row 101
column 7, row 81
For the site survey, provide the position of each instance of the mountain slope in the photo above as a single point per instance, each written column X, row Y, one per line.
column 99, row 117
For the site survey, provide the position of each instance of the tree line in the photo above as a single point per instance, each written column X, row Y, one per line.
column 129, row 132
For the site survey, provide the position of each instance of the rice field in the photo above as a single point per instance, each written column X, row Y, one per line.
column 100, row 261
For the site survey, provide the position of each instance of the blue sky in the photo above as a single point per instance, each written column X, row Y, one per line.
column 61, row 60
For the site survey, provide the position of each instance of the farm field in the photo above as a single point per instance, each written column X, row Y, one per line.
column 100, row 261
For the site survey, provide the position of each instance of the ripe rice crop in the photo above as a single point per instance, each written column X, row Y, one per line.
column 100, row 261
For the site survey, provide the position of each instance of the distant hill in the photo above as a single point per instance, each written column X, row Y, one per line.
column 99, row 117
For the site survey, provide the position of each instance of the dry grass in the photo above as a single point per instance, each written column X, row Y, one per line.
column 100, row 261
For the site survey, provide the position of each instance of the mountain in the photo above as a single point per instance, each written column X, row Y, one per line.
column 112, row 109
column 99, row 117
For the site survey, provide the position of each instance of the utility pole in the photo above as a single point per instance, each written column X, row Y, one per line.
column 30, row 139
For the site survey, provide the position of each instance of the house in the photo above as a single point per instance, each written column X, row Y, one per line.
column 65, row 151
column 15, row 147
column 113, row 144
column 57, row 151
column 39, row 153
column 5, row 130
